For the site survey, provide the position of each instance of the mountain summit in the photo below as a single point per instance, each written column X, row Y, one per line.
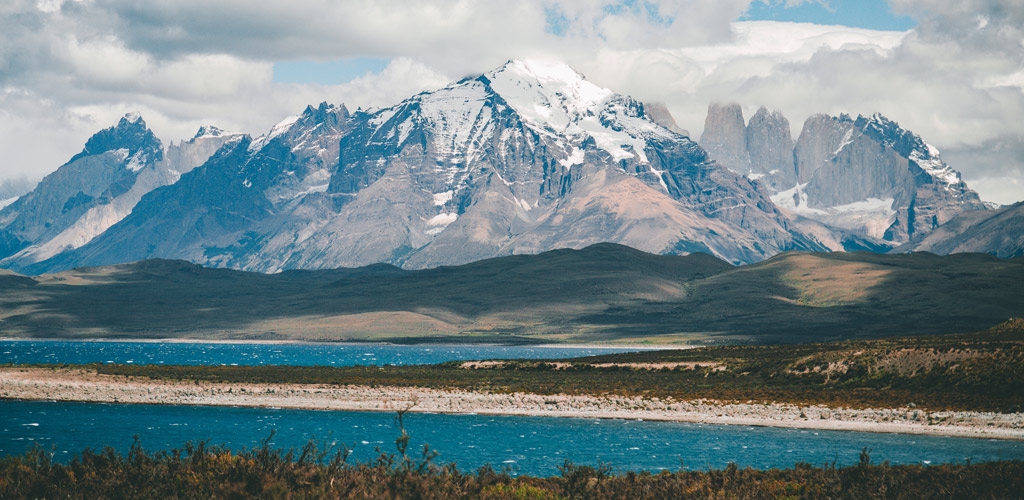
column 525, row 158
column 94, row 190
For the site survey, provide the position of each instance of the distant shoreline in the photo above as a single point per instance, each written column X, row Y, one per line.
column 179, row 340
column 80, row 385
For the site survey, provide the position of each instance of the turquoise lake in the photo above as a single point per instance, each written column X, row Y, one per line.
column 524, row 445
column 304, row 354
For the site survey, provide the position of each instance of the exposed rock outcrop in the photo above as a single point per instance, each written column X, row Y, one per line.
column 725, row 137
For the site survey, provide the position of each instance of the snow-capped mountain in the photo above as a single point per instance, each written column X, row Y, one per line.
column 97, row 188
column 868, row 176
column 525, row 158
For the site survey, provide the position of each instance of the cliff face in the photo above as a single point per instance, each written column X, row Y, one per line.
column 770, row 148
column 866, row 175
column 873, row 176
column 725, row 137
column 820, row 139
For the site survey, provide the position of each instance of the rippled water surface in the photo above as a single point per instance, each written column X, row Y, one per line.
column 530, row 445
column 305, row 354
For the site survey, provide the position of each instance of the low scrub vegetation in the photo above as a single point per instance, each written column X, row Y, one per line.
column 203, row 471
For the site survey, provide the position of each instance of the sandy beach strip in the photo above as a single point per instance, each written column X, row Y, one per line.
column 73, row 384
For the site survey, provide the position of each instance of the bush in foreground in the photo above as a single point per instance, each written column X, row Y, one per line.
column 202, row 471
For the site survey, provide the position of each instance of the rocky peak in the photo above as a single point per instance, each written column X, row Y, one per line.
column 770, row 148
column 325, row 113
column 725, row 137
column 658, row 113
column 210, row 131
column 130, row 134
column 551, row 97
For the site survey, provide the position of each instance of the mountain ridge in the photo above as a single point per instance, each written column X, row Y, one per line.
column 522, row 159
column 868, row 175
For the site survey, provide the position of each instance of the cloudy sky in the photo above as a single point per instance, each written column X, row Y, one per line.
column 950, row 70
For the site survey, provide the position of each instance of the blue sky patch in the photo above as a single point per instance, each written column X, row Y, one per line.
column 328, row 72
column 869, row 14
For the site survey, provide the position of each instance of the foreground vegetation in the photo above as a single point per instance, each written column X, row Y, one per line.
column 982, row 372
column 202, row 471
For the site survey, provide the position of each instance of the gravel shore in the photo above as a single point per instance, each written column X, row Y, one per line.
column 70, row 384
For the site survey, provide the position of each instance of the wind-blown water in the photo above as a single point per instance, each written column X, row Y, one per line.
column 531, row 445
column 526, row 445
column 299, row 354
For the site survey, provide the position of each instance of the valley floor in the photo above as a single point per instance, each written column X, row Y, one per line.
column 76, row 384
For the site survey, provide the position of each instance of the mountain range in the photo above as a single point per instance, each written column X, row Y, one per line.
column 866, row 175
column 523, row 159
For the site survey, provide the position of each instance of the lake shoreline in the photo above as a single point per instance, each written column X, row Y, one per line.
column 542, row 344
column 82, row 385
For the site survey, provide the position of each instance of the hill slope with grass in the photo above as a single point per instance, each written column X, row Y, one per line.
column 605, row 293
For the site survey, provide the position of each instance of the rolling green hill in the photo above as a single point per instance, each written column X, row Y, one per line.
column 605, row 293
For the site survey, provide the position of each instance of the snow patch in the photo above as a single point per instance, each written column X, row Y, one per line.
column 575, row 158
column 872, row 216
column 931, row 163
column 277, row 130
column 319, row 188
column 210, row 131
column 661, row 177
column 441, row 198
column 138, row 162
column 4, row 203
column 554, row 99
column 794, row 199
column 868, row 205
column 440, row 221
column 132, row 117
column 282, row 127
column 847, row 139
column 404, row 129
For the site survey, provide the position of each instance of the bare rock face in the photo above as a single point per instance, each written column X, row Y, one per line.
column 872, row 176
column 725, row 137
column 821, row 138
column 770, row 148
column 659, row 113
column 523, row 159
column 761, row 150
